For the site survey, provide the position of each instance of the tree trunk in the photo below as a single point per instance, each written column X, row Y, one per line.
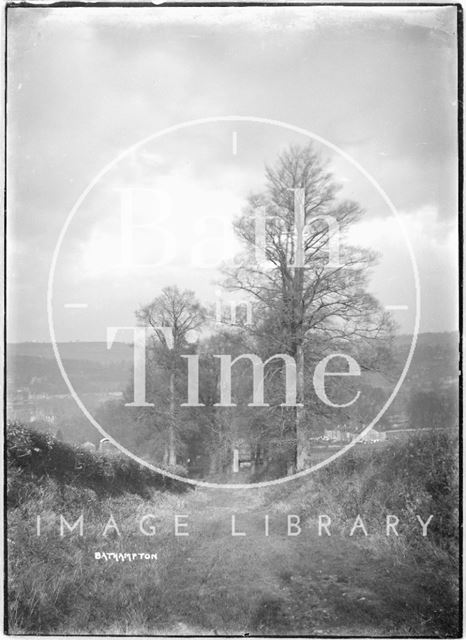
column 171, row 432
column 301, row 431
column 297, row 333
column 214, row 462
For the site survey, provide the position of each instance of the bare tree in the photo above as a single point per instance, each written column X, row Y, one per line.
column 180, row 311
column 304, row 299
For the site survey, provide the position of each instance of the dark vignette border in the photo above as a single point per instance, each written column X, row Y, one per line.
column 71, row 4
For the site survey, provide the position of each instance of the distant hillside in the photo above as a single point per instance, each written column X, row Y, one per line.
column 427, row 345
column 91, row 367
column 92, row 351
column 94, row 368
column 444, row 339
column 436, row 357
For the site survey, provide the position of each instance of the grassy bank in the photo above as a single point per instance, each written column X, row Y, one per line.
column 411, row 579
column 416, row 477
column 215, row 583
column 34, row 457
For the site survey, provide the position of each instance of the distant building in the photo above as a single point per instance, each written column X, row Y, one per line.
column 88, row 446
column 374, row 436
column 105, row 446
column 404, row 434
column 397, row 421
column 337, row 435
column 244, row 453
column 42, row 417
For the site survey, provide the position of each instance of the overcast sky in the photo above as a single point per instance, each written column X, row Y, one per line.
column 84, row 85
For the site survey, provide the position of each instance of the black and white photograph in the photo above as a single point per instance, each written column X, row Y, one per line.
column 232, row 271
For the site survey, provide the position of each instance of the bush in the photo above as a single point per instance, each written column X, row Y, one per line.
column 35, row 456
column 419, row 476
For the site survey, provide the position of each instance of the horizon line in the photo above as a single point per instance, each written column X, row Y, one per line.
column 77, row 341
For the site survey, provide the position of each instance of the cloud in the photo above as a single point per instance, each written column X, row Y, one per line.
column 84, row 84
column 435, row 245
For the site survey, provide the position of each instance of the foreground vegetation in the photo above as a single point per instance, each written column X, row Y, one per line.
column 214, row 583
column 37, row 457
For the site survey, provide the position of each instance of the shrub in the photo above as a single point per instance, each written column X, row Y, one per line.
column 36, row 456
column 419, row 476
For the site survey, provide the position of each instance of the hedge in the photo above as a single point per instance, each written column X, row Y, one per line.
column 39, row 456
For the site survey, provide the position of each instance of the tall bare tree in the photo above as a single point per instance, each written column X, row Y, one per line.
column 182, row 312
column 304, row 299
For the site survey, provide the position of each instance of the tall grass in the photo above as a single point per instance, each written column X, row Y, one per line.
column 417, row 477
column 56, row 582
column 417, row 579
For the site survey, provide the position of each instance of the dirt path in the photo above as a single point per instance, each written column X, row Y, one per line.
column 280, row 584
